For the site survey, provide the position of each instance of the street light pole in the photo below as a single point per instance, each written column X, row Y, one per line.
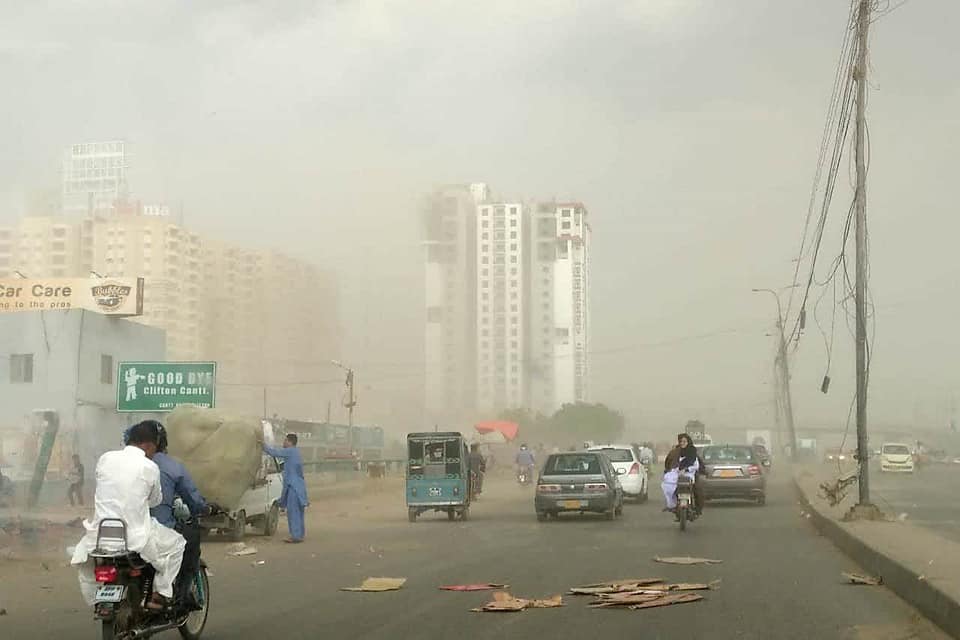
column 784, row 366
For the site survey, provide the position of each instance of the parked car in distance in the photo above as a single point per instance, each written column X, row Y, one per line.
column 581, row 482
column 631, row 471
column 733, row 471
column 896, row 456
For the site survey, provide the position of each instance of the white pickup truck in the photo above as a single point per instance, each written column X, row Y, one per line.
column 259, row 506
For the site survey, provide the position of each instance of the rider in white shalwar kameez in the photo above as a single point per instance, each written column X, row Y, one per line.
column 128, row 485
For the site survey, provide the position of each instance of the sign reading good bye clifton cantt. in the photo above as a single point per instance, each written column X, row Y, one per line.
column 152, row 387
column 109, row 296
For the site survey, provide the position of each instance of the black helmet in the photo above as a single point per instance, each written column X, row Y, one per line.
column 161, row 434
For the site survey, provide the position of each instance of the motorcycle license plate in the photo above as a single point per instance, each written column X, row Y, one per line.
column 435, row 492
column 110, row 593
column 571, row 504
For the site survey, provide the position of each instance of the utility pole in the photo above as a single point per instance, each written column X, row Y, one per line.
column 351, row 402
column 783, row 365
column 860, row 292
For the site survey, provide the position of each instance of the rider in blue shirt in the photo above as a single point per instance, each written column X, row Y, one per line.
column 175, row 482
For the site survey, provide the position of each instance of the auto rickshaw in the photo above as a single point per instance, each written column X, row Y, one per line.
column 438, row 474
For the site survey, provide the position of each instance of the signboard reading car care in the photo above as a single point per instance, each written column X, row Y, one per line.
column 109, row 296
column 163, row 386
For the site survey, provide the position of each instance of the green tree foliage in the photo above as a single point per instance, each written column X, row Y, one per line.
column 573, row 423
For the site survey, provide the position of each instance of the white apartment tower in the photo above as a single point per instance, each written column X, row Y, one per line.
column 507, row 304
column 501, row 330
column 450, row 289
column 559, row 309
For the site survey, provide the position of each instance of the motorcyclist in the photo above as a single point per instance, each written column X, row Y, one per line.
column 525, row 460
column 478, row 467
column 177, row 485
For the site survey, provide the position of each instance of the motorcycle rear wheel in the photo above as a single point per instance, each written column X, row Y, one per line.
column 193, row 626
column 682, row 514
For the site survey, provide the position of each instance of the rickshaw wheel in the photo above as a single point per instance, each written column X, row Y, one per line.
column 451, row 514
column 411, row 514
column 465, row 514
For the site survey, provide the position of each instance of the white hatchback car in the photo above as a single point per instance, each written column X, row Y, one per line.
column 895, row 456
column 630, row 470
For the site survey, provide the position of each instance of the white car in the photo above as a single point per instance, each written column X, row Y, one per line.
column 630, row 470
column 895, row 456
column 258, row 506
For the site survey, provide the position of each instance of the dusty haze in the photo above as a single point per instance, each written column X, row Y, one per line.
column 689, row 128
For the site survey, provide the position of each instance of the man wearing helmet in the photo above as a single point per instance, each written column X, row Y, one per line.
column 175, row 482
column 128, row 485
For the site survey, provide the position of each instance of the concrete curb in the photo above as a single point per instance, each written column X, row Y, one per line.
column 907, row 583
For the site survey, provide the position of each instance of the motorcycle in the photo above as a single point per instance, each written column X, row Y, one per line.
column 524, row 475
column 685, row 501
column 126, row 585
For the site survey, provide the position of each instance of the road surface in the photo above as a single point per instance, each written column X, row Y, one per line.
column 779, row 579
column 928, row 496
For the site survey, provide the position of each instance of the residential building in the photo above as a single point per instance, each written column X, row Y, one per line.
column 271, row 323
column 450, row 286
column 559, row 311
column 66, row 362
column 40, row 247
column 167, row 257
column 502, row 308
column 507, row 303
column 94, row 177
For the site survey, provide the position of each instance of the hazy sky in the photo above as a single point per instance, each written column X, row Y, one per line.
column 690, row 129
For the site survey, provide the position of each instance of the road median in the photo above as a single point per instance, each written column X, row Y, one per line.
column 918, row 565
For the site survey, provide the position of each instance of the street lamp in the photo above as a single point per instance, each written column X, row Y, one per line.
column 784, row 367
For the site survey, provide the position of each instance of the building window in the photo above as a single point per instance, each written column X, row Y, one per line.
column 485, row 260
column 106, row 369
column 485, row 272
column 513, row 223
column 485, row 295
column 21, row 367
column 486, row 247
column 565, row 224
column 513, row 210
column 513, row 247
column 513, row 259
column 513, row 271
column 563, row 251
column 485, row 224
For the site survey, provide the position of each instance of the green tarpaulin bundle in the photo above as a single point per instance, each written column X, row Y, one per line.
column 222, row 452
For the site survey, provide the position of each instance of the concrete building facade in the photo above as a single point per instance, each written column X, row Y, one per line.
column 66, row 361
column 507, row 303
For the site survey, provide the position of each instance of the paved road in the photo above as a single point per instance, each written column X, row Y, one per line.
column 928, row 497
column 780, row 580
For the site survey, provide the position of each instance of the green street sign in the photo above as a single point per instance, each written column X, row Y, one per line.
column 152, row 387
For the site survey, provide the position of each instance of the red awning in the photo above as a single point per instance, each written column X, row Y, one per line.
column 508, row 429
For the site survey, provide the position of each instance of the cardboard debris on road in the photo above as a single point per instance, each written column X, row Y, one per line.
column 686, row 560
column 486, row 586
column 614, row 586
column 505, row 602
column 240, row 549
column 856, row 578
column 644, row 600
column 663, row 601
column 378, row 585
column 649, row 593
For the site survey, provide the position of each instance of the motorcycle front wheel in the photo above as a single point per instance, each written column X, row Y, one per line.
column 195, row 622
column 682, row 513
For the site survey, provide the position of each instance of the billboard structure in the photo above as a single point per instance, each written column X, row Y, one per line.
column 109, row 296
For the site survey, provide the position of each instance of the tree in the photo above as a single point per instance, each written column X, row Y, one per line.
column 584, row 421
column 534, row 427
